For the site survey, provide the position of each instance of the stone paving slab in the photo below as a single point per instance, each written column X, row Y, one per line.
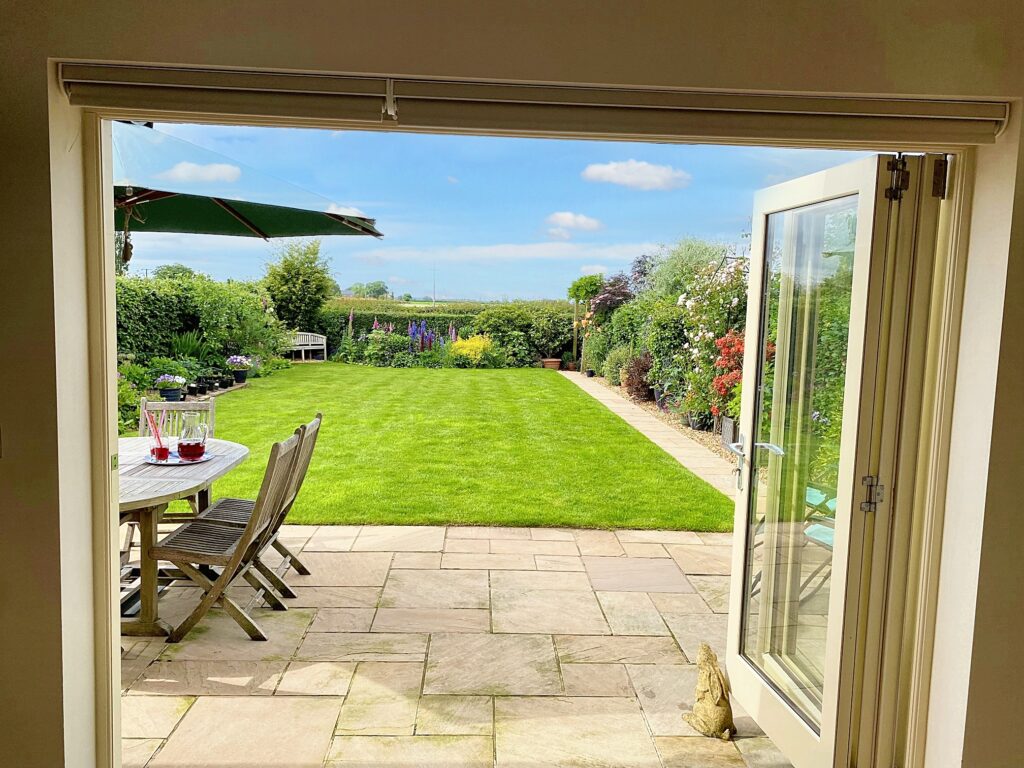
column 510, row 654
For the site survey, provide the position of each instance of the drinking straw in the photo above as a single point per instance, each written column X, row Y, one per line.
column 154, row 429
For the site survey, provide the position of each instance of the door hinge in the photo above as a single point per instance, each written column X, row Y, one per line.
column 900, row 181
column 939, row 175
column 874, row 493
column 113, row 462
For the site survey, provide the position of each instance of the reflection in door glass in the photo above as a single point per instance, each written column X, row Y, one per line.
column 798, row 423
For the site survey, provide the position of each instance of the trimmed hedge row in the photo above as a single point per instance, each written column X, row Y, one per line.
column 233, row 317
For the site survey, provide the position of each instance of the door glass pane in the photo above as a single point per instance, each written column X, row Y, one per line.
column 798, row 426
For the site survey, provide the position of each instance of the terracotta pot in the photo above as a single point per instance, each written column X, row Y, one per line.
column 552, row 362
column 570, row 366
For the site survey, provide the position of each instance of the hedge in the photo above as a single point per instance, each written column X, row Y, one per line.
column 233, row 317
column 150, row 313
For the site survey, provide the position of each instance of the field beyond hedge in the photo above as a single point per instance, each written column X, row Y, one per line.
column 521, row 447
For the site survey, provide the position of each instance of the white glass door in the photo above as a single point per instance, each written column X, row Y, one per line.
column 819, row 246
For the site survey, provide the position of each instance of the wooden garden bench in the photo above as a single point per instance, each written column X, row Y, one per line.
column 303, row 341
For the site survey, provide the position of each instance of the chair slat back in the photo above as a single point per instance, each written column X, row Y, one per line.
column 173, row 415
column 275, row 486
column 309, row 437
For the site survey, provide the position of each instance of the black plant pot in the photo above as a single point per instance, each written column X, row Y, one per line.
column 171, row 395
column 202, row 389
column 240, row 376
column 227, row 382
column 193, row 389
column 589, row 373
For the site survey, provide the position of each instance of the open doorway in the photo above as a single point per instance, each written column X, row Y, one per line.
column 655, row 662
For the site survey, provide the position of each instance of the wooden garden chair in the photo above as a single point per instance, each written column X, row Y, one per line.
column 237, row 512
column 201, row 547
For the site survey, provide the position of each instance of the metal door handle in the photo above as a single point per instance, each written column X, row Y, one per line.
column 771, row 448
column 741, row 456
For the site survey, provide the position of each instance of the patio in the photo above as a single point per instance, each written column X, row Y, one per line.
column 457, row 647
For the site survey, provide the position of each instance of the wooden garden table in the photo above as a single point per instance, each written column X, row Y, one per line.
column 145, row 491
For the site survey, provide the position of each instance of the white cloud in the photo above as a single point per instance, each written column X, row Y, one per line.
column 593, row 269
column 637, row 174
column 588, row 253
column 453, row 180
column 563, row 222
column 210, row 172
column 569, row 220
column 345, row 210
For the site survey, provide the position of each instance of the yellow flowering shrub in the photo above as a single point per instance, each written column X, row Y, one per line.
column 472, row 350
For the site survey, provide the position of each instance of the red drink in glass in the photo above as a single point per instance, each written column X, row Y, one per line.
column 160, row 453
column 191, row 451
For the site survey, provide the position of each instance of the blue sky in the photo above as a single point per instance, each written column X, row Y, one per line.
column 492, row 218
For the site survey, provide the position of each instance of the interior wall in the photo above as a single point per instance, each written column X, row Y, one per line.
column 918, row 47
column 968, row 499
column 994, row 706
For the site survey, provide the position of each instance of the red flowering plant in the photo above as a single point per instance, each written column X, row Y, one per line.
column 729, row 366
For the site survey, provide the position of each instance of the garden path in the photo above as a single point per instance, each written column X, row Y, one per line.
column 711, row 468
column 454, row 647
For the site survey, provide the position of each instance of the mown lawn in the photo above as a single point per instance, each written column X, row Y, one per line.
column 519, row 447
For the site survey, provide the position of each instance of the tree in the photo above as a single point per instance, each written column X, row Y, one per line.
column 674, row 269
column 377, row 289
column 406, row 297
column 582, row 290
column 334, row 289
column 174, row 272
column 299, row 282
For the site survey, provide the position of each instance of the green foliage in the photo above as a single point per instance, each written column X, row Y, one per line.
column 475, row 352
column 382, row 348
column 617, row 359
column 192, row 344
column 586, row 288
column 664, row 336
column 546, row 328
column 150, row 313
column 299, row 282
column 628, row 322
column 674, row 269
column 128, row 396
column 596, row 344
column 229, row 318
column 137, row 375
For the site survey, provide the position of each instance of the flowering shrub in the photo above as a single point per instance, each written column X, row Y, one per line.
column 167, row 381
column 713, row 304
column 239, row 363
column 473, row 352
column 730, row 365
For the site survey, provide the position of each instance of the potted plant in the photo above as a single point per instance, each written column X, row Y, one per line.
column 201, row 386
column 169, row 386
column 193, row 389
column 239, row 365
column 589, row 373
column 568, row 362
